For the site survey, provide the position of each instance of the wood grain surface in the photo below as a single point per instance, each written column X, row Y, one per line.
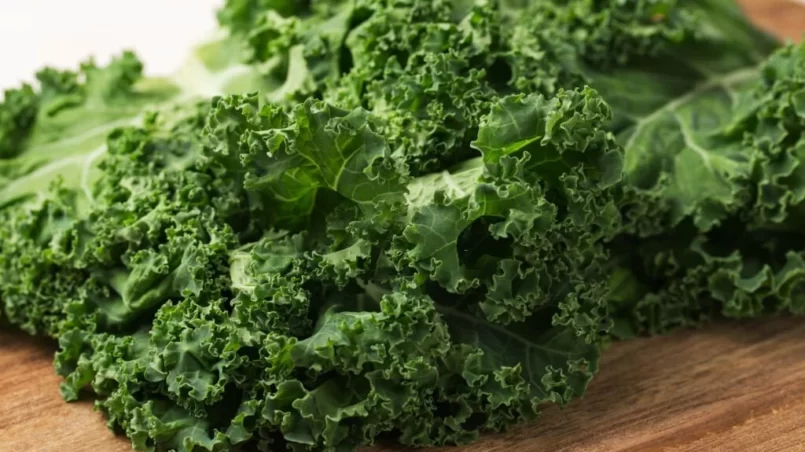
column 730, row 387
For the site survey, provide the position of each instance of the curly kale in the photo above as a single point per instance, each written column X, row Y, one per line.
column 203, row 314
column 397, row 220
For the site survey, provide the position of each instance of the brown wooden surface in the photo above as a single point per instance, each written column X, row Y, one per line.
column 732, row 387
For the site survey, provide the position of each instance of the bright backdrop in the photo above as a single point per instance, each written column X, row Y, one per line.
column 60, row 33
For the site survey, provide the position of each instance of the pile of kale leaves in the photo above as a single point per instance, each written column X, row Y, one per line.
column 346, row 221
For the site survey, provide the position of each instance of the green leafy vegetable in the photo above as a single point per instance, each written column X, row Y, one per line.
column 403, row 220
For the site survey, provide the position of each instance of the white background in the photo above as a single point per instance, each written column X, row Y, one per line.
column 61, row 33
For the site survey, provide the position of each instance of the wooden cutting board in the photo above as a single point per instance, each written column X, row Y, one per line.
column 731, row 387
